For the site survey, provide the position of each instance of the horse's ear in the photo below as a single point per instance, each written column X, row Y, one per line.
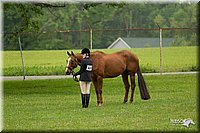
column 68, row 53
column 72, row 53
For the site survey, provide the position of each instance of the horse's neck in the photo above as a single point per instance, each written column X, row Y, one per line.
column 79, row 57
column 93, row 55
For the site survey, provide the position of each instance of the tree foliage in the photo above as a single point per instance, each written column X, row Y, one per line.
column 40, row 17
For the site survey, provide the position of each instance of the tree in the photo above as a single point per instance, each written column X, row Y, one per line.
column 40, row 17
column 182, row 18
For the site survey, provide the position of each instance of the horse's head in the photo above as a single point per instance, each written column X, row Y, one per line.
column 72, row 62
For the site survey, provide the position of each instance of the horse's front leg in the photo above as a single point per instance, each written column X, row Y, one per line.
column 99, row 90
column 96, row 89
column 98, row 81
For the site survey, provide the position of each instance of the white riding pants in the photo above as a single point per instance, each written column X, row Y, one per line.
column 85, row 87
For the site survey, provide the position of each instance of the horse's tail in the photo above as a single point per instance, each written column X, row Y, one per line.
column 142, row 85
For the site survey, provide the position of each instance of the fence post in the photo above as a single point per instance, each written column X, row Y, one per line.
column 90, row 39
column 161, row 44
column 20, row 47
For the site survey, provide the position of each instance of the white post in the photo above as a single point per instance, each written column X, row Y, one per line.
column 161, row 43
column 90, row 39
column 20, row 47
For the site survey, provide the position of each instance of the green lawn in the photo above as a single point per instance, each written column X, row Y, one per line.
column 53, row 62
column 38, row 105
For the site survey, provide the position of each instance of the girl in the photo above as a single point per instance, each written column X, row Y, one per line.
column 85, row 73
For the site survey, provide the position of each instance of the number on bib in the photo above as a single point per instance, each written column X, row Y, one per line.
column 89, row 68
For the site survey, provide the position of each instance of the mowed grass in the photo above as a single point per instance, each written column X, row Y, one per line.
column 55, row 105
column 53, row 62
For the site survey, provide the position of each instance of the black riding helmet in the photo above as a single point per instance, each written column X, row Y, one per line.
column 85, row 51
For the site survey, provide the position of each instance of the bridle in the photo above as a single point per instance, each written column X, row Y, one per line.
column 76, row 64
column 71, row 69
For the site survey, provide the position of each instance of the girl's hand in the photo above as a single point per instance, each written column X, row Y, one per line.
column 75, row 78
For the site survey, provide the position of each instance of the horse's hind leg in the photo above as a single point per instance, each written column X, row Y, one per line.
column 132, row 76
column 126, row 85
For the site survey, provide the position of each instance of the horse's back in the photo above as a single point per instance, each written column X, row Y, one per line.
column 129, row 56
column 120, row 55
column 112, row 65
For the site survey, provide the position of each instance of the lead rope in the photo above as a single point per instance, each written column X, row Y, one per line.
column 74, row 77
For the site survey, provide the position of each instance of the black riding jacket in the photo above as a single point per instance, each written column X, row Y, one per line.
column 85, row 71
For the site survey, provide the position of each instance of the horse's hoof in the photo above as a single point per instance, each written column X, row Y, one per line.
column 131, row 101
column 125, row 101
column 99, row 105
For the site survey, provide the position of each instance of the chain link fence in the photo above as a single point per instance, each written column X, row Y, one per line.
column 101, row 38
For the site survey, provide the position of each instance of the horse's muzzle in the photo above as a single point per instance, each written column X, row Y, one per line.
column 68, row 73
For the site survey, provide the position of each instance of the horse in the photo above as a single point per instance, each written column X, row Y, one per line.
column 112, row 65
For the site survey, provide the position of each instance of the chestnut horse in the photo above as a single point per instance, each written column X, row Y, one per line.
column 112, row 65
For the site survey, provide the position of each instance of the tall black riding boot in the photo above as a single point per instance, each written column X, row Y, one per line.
column 83, row 96
column 87, row 100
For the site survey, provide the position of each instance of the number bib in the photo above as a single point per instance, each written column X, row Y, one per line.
column 89, row 68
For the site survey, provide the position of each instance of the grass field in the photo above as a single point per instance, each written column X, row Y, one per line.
column 52, row 62
column 55, row 105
